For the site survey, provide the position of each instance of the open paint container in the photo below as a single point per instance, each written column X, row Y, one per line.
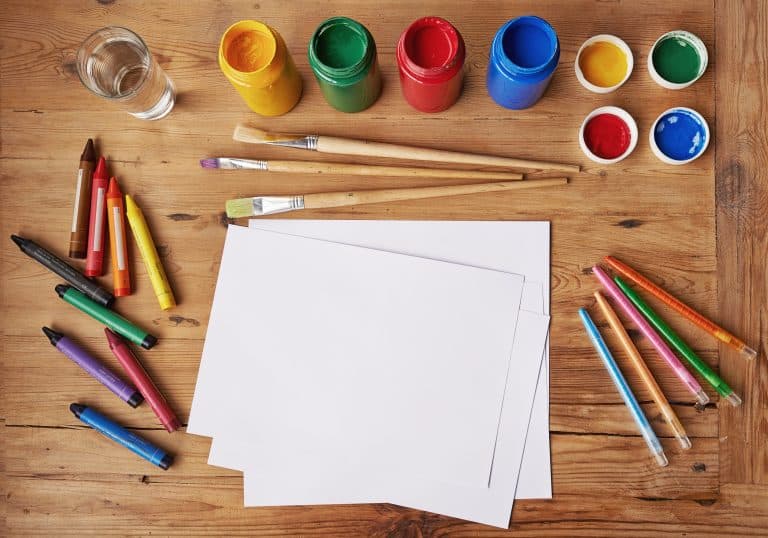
column 677, row 60
column 608, row 135
column 679, row 135
column 603, row 63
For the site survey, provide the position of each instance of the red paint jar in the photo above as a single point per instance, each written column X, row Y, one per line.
column 430, row 57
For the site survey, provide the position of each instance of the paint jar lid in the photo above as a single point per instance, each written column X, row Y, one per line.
column 677, row 60
column 583, row 56
column 679, row 135
column 431, row 50
column 526, row 47
column 341, row 50
column 608, row 135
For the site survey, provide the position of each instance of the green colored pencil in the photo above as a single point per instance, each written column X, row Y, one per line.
column 679, row 344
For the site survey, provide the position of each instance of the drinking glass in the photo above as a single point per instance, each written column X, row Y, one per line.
column 116, row 64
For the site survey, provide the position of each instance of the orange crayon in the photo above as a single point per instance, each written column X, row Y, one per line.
column 118, row 247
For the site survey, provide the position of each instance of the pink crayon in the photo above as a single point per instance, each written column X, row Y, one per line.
column 667, row 354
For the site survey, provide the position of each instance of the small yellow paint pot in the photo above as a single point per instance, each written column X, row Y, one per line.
column 255, row 60
column 604, row 63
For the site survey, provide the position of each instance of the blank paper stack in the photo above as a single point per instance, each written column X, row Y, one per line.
column 381, row 361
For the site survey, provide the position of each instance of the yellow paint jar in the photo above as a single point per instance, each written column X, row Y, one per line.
column 603, row 63
column 254, row 58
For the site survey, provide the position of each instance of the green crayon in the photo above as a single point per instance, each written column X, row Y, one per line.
column 114, row 321
column 679, row 344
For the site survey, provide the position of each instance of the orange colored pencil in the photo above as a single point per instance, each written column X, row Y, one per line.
column 118, row 247
column 681, row 308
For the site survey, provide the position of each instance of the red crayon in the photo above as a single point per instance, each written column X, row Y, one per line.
column 97, row 231
column 141, row 380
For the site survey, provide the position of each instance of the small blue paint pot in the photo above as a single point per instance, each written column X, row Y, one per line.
column 679, row 135
column 524, row 55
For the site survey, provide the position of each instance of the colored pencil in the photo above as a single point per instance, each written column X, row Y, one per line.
column 681, row 308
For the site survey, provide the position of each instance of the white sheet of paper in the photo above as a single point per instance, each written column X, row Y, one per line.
column 265, row 484
column 367, row 316
column 516, row 247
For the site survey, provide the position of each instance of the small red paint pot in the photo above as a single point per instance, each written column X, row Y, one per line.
column 430, row 57
column 608, row 135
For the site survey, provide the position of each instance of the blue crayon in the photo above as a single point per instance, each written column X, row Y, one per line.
column 117, row 433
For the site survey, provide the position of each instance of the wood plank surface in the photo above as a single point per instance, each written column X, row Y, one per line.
column 699, row 230
column 742, row 229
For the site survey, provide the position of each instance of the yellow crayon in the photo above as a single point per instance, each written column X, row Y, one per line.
column 149, row 254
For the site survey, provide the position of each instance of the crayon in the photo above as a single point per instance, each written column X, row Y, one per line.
column 97, row 370
column 148, row 252
column 97, row 231
column 78, row 237
column 55, row 264
column 118, row 248
column 117, row 433
column 136, row 372
column 111, row 319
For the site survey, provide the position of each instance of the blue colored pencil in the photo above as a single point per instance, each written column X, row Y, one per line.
column 621, row 385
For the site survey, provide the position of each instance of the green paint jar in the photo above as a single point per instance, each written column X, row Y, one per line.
column 342, row 54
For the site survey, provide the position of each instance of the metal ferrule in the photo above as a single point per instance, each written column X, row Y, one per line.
column 244, row 164
column 308, row 142
column 269, row 205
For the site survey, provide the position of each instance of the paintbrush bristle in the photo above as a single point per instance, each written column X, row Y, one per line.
column 252, row 135
column 209, row 163
column 241, row 207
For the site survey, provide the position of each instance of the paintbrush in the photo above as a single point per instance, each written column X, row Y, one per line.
column 346, row 146
column 311, row 167
column 268, row 205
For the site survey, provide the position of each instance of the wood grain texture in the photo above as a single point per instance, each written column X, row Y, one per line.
column 742, row 229
column 59, row 478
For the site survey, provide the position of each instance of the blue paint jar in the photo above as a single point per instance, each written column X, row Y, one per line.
column 524, row 55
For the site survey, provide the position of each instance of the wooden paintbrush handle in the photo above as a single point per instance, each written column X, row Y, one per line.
column 338, row 199
column 345, row 146
column 339, row 169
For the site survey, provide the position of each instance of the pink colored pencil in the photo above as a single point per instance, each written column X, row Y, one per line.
column 667, row 354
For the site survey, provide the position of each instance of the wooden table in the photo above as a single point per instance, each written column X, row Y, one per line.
column 699, row 229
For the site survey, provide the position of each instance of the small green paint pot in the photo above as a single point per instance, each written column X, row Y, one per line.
column 342, row 54
column 677, row 60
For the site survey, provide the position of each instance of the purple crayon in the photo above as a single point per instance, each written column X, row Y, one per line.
column 91, row 365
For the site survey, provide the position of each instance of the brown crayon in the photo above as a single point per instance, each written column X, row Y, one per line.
column 78, row 238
